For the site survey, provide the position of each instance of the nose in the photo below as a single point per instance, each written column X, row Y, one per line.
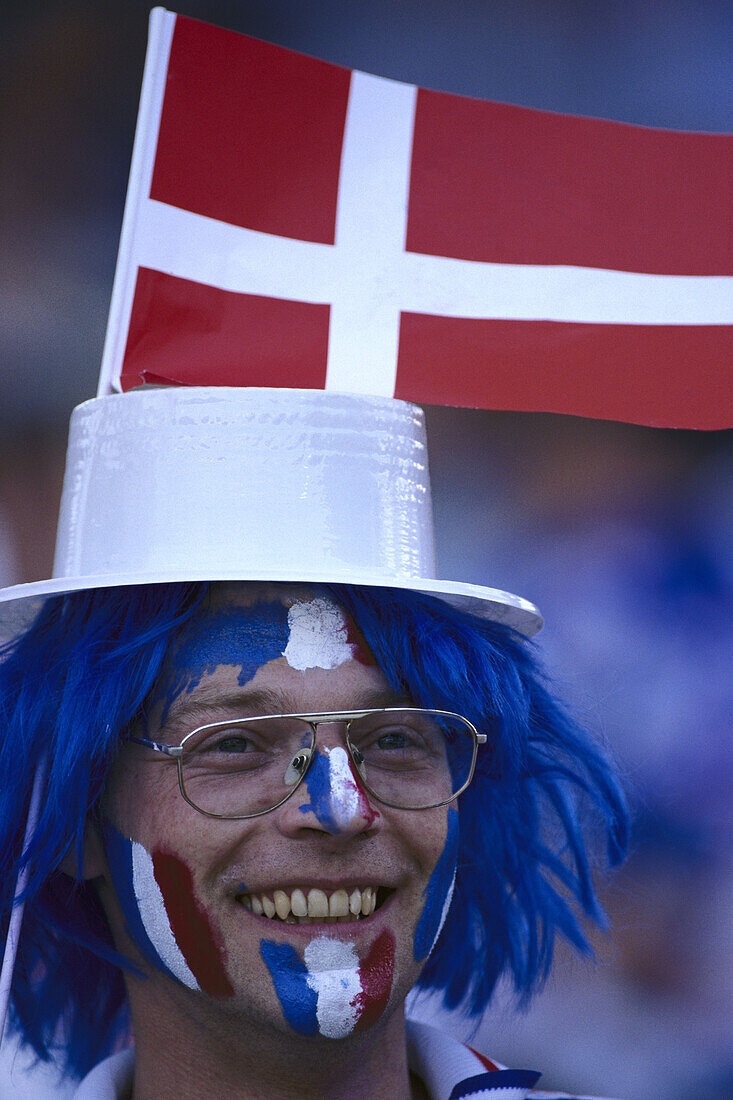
column 331, row 798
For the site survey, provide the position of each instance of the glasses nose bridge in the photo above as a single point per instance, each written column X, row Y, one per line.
column 330, row 720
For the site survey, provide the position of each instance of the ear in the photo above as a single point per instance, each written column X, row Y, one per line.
column 94, row 859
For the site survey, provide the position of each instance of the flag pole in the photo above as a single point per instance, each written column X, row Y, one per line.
column 18, row 905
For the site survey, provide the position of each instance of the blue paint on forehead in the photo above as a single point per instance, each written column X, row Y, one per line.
column 289, row 975
column 242, row 637
column 318, row 782
column 436, row 891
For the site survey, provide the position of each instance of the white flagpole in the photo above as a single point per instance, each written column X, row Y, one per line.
column 16, row 913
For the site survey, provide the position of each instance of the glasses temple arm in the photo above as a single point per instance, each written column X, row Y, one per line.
column 169, row 750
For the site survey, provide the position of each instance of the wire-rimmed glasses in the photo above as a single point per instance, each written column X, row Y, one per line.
column 406, row 757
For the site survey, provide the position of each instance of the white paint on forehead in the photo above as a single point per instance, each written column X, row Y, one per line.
column 154, row 917
column 318, row 635
column 333, row 975
column 345, row 802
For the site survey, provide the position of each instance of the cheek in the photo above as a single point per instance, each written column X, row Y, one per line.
column 163, row 916
column 438, row 892
column 330, row 992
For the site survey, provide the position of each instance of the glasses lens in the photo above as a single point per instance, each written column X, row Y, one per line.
column 246, row 766
column 413, row 758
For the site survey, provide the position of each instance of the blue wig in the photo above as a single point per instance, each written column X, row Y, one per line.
column 76, row 680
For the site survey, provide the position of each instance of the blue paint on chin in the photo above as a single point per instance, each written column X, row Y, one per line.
column 289, row 976
column 318, row 783
column 119, row 856
column 436, row 891
column 244, row 637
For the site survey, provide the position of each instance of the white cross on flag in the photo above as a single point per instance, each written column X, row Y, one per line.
column 293, row 223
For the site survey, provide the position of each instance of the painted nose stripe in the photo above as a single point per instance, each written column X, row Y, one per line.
column 336, row 797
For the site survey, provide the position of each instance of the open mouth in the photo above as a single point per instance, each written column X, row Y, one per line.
column 314, row 906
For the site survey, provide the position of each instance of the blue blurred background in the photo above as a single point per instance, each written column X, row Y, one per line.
column 621, row 534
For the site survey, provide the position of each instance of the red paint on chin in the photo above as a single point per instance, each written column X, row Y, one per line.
column 190, row 924
column 376, row 980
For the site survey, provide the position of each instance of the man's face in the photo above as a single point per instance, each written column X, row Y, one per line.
column 213, row 904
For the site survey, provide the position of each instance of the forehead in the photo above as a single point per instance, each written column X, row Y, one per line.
column 245, row 627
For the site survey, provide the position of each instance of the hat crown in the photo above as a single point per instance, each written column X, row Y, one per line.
column 248, row 483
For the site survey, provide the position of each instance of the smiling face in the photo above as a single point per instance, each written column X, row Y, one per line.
column 316, row 916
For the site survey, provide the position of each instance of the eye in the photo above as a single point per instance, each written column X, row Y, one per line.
column 226, row 742
column 232, row 743
column 397, row 737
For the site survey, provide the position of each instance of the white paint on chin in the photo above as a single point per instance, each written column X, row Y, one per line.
column 154, row 917
column 345, row 805
column 318, row 635
column 333, row 975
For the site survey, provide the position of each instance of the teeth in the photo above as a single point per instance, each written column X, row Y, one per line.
column 338, row 904
column 298, row 904
column 282, row 904
column 366, row 900
column 315, row 905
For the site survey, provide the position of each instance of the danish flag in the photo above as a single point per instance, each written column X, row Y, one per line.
column 293, row 223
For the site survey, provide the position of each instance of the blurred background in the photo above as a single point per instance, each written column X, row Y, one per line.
column 621, row 534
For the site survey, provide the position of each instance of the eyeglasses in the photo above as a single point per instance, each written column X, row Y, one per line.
column 406, row 757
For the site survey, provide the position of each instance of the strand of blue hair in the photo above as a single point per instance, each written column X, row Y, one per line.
column 75, row 681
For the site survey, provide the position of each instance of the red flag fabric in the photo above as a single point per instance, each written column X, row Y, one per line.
column 293, row 223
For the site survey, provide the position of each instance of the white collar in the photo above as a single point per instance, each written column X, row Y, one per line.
column 450, row 1070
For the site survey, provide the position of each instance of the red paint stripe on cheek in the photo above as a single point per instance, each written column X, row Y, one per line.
column 190, row 924
column 376, row 980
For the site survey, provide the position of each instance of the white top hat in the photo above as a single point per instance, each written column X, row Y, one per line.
column 216, row 483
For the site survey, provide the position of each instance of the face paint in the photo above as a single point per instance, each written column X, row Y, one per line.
column 360, row 650
column 376, row 980
column 310, row 634
column 244, row 637
column 438, row 892
column 336, row 796
column 331, row 993
column 332, row 972
column 163, row 916
column 319, row 636
column 190, row 924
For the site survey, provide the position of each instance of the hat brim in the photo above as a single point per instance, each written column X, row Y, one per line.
column 20, row 603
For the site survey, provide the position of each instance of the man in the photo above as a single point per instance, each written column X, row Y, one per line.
column 273, row 809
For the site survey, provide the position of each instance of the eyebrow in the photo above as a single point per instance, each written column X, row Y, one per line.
column 252, row 701
column 269, row 701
